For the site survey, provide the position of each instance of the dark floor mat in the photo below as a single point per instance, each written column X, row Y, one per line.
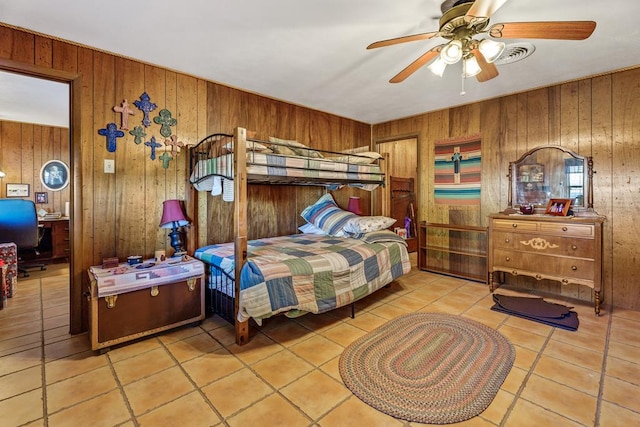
column 538, row 310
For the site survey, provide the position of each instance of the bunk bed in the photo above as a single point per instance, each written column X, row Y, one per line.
column 313, row 272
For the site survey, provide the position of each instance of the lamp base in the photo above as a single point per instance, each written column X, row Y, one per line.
column 176, row 242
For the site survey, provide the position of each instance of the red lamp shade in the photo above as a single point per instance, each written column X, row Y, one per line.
column 354, row 205
column 172, row 213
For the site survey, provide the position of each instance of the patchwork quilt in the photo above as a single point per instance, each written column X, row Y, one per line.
column 310, row 273
column 288, row 166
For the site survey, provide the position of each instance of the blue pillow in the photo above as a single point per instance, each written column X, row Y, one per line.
column 326, row 215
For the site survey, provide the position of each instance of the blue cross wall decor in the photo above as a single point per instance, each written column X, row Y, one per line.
column 111, row 132
column 153, row 144
column 146, row 106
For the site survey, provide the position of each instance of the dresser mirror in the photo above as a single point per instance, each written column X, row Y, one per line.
column 551, row 172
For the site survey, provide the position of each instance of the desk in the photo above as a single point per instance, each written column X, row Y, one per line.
column 54, row 244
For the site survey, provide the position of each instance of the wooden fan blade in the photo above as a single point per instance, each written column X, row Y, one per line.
column 403, row 39
column 488, row 70
column 483, row 9
column 560, row 30
column 415, row 65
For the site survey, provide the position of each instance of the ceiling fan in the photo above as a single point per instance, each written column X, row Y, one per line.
column 462, row 21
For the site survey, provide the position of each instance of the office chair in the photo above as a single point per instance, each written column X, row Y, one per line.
column 19, row 224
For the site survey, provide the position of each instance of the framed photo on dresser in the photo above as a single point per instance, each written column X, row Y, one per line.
column 559, row 207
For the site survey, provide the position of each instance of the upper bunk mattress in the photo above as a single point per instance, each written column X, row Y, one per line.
column 272, row 166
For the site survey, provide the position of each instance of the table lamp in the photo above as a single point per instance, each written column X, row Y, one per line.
column 354, row 205
column 173, row 218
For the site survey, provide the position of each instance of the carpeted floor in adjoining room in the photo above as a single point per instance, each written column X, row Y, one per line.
column 289, row 371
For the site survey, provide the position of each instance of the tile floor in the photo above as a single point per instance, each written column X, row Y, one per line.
column 288, row 374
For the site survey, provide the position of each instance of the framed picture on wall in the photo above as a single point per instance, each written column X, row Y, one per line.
column 17, row 190
column 42, row 197
column 54, row 175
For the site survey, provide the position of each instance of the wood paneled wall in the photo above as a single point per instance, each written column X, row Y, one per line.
column 24, row 148
column 597, row 117
column 120, row 212
column 274, row 210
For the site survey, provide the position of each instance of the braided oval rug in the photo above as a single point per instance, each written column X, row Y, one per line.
column 430, row 368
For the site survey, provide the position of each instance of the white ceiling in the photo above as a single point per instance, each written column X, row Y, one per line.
column 312, row 53
column 33, row 100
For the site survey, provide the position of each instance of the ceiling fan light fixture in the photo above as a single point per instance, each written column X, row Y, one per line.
column 470, row 67
column 452, row 52
column 437, row 66
column 490, row 49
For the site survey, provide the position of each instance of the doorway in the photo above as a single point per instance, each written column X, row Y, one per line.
column 40, row 76
column 400, row 165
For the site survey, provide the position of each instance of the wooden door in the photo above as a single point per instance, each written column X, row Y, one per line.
column 400, row 160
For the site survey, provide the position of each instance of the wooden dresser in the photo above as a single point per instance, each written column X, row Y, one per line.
column 568, row 250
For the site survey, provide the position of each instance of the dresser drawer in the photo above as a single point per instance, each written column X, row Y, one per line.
column 520, row 226
column 544, row 265
column 549, row 245
column 563, row 229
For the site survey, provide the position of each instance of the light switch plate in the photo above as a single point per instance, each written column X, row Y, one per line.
column 109, row 166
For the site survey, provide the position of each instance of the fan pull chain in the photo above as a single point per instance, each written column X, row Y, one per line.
column 462, row 92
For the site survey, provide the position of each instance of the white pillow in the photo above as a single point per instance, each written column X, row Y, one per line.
column 367, row 224
column 297, row 147
column 309, row 228
column 371, row 155
column 251, row 146
column 368, row 157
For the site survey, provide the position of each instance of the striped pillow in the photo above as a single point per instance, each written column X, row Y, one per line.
column 326, row 215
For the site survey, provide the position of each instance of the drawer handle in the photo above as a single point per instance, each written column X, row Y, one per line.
column 565, row 281
column 564, row 228
column 574, row 268
column 514, row 225
column 506, row 240
column 507, row 258
column 538, row 277
column 574, row 247
column 514, row 272
column 155, row 291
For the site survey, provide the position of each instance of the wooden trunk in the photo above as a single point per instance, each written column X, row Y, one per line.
column 125, row 317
